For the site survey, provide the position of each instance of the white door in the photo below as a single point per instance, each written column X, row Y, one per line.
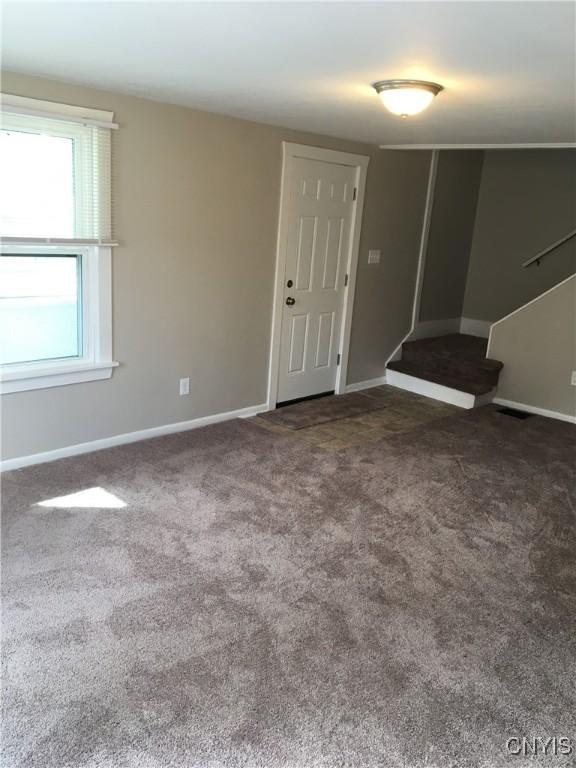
column 319, row 221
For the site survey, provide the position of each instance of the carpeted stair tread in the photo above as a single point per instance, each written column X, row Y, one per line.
column 455, row 346
column 435, row 374
column 460, row 368
column 455, row 360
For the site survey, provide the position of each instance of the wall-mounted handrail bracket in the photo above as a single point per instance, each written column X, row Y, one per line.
column 539, row 256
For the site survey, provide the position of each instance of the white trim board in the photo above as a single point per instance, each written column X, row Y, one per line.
column 397, row 353
column 475, row 327
column 24, row 105
column 535, row 410
column 423, row 248
column 526, row 145
column 357, row 386
column 519, row 309
column 55, row 377
column 291, row 151
column 436, row 391
column 129, row 437
column 55, row 242
column 535, row 299
column 426, row 329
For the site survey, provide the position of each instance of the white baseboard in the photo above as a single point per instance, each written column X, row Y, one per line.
column 359, row 385
column 397, row 354
column 535, row 410
column 129, row 437
column 426, row 329
column 475, row 327
column 429, row 328
column 436, row 391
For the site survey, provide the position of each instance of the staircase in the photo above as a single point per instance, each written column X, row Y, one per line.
column 452, row 368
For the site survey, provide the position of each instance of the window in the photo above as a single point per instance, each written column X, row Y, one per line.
column 55, row 260
column 40, row 307
column 46, row 208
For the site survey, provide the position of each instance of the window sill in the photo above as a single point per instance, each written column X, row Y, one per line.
column 57, row 375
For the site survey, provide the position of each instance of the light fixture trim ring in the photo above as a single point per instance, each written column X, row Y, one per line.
column 389, row 85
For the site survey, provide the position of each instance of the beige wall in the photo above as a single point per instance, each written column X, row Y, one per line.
column 527, row 201
column 538, row 348
column 385, row 292
column 196, row 199
column 450, row 235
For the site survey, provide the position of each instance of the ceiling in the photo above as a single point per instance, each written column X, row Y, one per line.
column 508, row 67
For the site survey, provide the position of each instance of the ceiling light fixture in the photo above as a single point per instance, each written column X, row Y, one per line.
column 406, row 97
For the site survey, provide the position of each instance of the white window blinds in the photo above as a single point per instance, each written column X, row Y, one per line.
column 56, row 175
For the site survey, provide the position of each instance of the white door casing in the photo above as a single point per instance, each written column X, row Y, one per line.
column 320, row 214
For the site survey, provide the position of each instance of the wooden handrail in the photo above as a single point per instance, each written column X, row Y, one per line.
column 546, row 251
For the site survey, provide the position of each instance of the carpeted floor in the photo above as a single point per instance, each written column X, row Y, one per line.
column 235, row 597
column 324, row 410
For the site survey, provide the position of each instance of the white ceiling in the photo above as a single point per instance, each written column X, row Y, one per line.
column 508, row 67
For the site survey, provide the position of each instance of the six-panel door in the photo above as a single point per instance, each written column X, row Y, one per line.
column 319, row 221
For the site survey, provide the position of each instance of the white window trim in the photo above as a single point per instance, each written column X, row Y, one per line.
column 96, row 361
column 24, row 105
column 91, row 177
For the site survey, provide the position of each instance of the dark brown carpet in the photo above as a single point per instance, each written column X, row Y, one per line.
column 322, row 410
column 455, row 360
column 248, row 600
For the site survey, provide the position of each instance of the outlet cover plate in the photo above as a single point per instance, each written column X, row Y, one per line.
column 373, row 257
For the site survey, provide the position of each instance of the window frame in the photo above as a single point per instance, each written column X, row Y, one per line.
column 80, row 148
column 96, row 361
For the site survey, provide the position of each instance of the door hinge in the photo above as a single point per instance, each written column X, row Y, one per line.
column 345, row 280
column 338, row 359
column 354, row 194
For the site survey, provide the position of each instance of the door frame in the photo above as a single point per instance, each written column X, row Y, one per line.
column 290, row 152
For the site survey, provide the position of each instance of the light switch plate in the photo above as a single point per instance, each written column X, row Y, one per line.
column 373, row 257
column 573, row 379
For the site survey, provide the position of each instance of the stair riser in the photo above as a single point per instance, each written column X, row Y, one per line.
column 437, row 391
column 473, row 386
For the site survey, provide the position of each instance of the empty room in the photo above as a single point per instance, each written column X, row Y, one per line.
column 288, row 384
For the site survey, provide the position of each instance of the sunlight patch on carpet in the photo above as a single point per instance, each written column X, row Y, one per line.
column 91, row 498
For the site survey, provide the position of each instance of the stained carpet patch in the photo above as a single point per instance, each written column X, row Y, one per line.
column 311, row 413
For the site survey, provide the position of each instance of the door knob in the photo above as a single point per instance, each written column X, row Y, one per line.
column 290, row 301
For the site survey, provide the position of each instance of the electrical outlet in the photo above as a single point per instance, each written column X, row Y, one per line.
column 573, row 379
column 185, row 386
column 373, row 257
